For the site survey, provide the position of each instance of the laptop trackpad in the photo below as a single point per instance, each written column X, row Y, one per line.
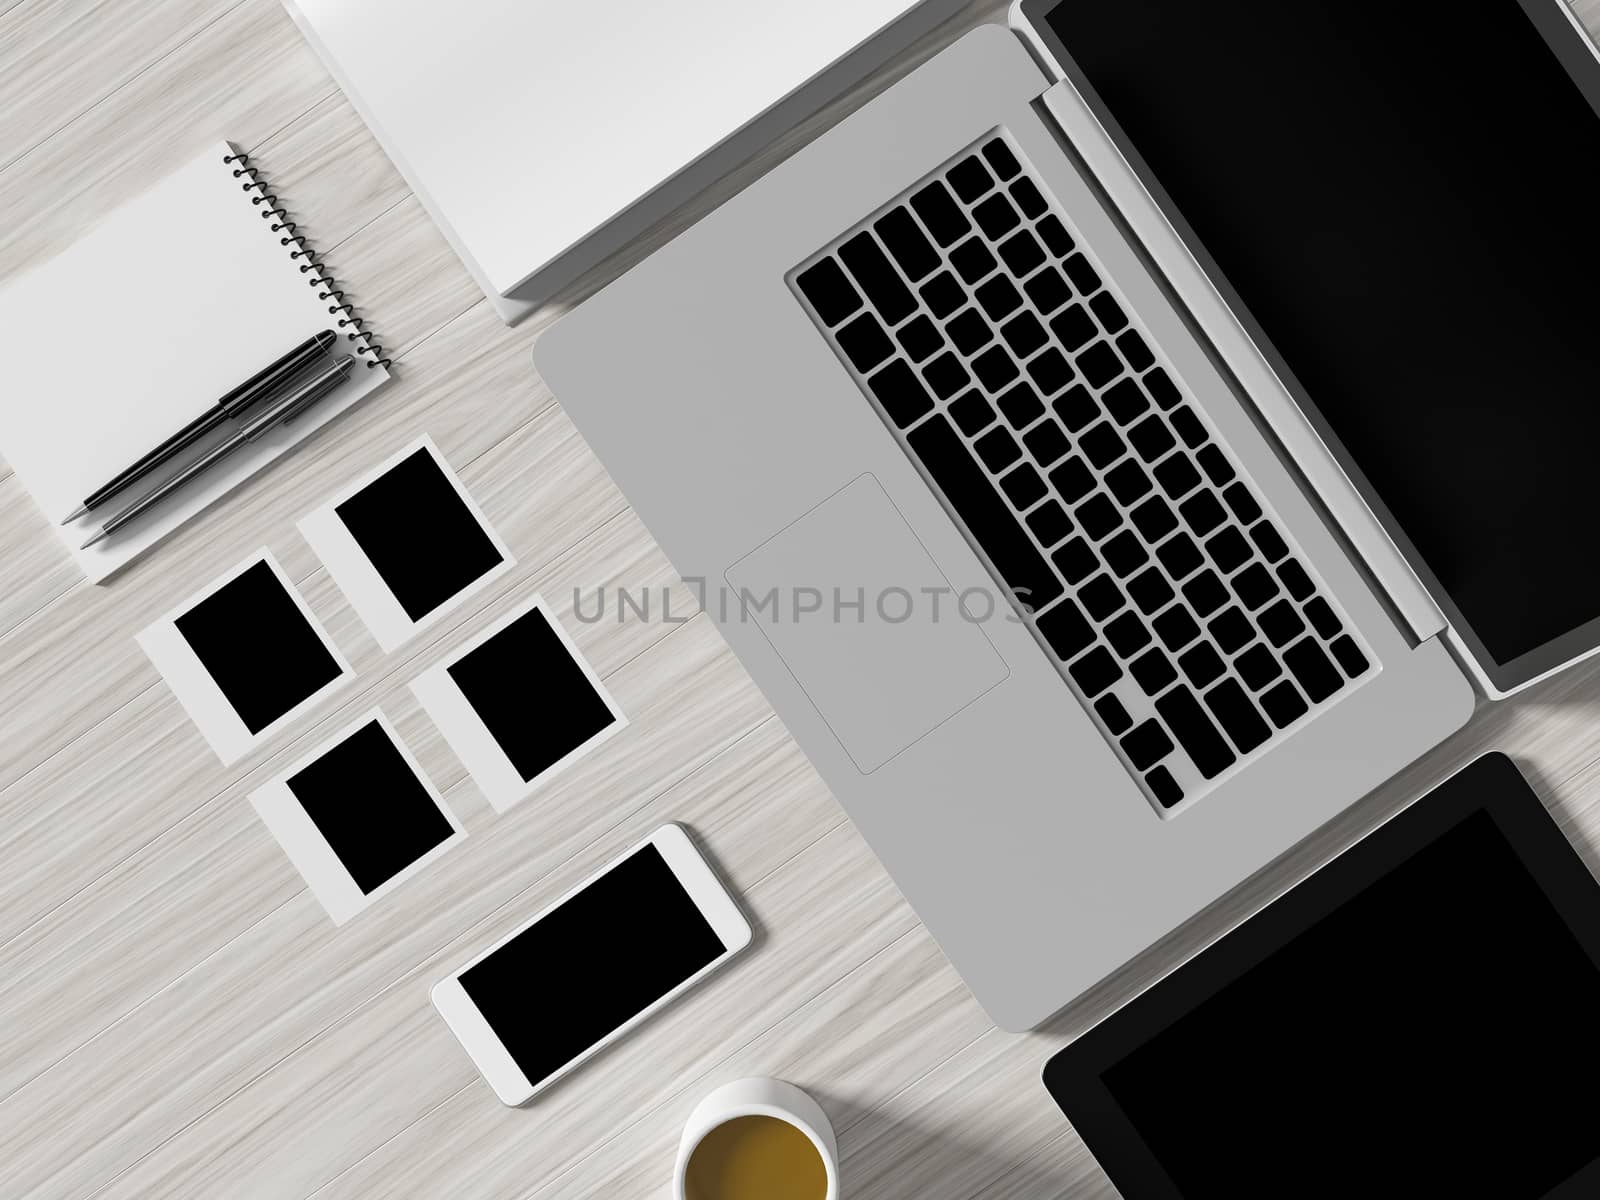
column 867, row 623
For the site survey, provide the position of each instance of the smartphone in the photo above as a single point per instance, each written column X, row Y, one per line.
column 594, row 964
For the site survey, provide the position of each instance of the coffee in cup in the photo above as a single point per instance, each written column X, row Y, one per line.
column 757, row 1139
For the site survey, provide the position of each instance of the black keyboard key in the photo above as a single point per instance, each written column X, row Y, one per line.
column 1124, row 553
column 1283, row 704
column 1205, row 593
column 1269, row 541
column 831, row 294
column 1189, row 427
column 1295, row 580
column 1046, row 443
column 872, row 269
column 1077, row 408
column 1102, row 445
column 1228, row 549
column 1114, row 714
column 919, row 338
column 1177, row 476
column 1150, row 591
column 1048, row 290
column 1147, row 745
column 943, row 294
column 1254, row 586
column 995, row 368
column 998, row 297
column 1237, row 715
column 970, row 178
column 1134, row 350
column 969, row 331
column 1065, row 631
column 1023, row 487
column 1076, row 561
column 1099, row 516
column 1257, row 667
column 1163, row 787
column 864, row 342
column 1231, row 629
column 901, row 393
column 1074, row 327
column 947, row 460
column 972, row 260
column 1153, row 671
column 1108, row 312
column 1021, row 406
column 1101, row 597
column 1124, row 401
column 1176, row 628
column 1128, row 482
column 946, row 375
column 907, row 244
column 1095, row 671
column 1195, row 732
column 1201, row 663
column 1244, row 505
column 1151, row 438
column 972, row 413
column 1050, row 523
column 1180, row 556
column 940, row 213
column 1161, row 388
column 1001, row 158
column 1072, row 480
column 1055, row 235
column 1024, row 334
column 1321, row 615
column 1127, row 635
column 1280, row 623
column 1154, row 519
column 998, row 449
column 1310, row 666
column 1080, row 272
column 1022, row 253
column 1348, row 655
column 996, row 216
column 1050, row 371
column 1214, row 463
column 1029, row 198
column 1099, row 364
column 1202, row 512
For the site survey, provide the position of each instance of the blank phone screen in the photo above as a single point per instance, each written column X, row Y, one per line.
column 604, row 956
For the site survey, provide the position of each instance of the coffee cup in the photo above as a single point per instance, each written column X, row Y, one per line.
column 757, row 1139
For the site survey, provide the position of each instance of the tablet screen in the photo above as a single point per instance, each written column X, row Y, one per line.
column 1396, row 193
column 1419, row 1039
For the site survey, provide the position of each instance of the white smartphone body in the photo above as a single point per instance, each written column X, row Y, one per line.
column 591, row 966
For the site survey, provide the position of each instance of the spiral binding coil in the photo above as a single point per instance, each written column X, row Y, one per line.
column 327, row 287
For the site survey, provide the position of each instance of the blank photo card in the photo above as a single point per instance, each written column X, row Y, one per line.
column 406, row 543
column 518, row 703
column 245, row 656
column 358, row 817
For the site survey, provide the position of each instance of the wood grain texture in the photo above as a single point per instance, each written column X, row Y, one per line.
column 183, row 1020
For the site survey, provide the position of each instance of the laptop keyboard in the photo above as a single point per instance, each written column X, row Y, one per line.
column 980, row 326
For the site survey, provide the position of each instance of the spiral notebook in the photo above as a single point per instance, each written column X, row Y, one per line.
column 169, row 302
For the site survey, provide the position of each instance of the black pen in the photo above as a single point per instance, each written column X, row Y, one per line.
column 277, row 412
column 230, row 407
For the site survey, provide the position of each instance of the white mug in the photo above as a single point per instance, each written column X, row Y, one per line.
column 759, row 1097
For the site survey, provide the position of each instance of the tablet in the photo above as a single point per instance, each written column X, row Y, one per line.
column 1404, row 1022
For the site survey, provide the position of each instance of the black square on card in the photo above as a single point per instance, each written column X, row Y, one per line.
column 258, row 647
column 370, row 807
column 531, row 694
column 420, row 537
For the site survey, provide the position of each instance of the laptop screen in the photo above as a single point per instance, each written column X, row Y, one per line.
column 1401, row 197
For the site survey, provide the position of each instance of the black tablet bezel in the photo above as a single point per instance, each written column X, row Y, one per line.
column 1490, row 784
column 1582, row 61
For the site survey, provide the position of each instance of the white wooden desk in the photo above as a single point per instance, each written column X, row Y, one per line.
column 178, row 1015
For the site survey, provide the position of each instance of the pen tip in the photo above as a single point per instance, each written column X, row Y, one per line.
column 98, row 534
column 81, row 510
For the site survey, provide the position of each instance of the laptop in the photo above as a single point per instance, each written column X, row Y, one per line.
column 1121, row 444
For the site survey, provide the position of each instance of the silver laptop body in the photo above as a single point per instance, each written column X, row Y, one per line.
column 1054, row 790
